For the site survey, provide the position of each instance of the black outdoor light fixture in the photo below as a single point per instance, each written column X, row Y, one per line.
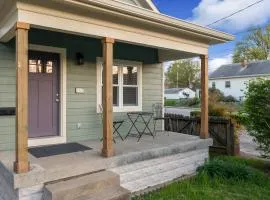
column 80, row 58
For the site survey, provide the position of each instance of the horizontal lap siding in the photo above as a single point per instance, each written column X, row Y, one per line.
column 7, row 95
column 152, row 87
column 81, row 108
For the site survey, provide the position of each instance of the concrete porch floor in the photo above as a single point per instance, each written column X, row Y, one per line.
column 49, row 169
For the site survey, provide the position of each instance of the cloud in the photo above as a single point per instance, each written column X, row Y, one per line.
column 209, row 11
column 217, row 62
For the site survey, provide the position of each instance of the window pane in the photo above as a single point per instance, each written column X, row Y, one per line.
column 227, row 84
column 130, row 96
column 115, row 95
column 115, row 75
column 35, row 66
column 49, row 67
column 130, row 75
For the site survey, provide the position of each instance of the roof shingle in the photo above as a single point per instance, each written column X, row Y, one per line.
column 236, row 70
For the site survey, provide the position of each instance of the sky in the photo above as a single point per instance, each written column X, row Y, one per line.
column 205, row 12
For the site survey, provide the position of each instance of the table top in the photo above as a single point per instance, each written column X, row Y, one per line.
column 140, row 113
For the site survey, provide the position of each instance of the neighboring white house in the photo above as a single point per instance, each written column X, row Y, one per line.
column 179, row 93
column 233, row 79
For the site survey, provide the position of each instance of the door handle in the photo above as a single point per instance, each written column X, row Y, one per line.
column 57, row 100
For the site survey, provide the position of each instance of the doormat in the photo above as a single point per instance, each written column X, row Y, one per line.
column 58, row 149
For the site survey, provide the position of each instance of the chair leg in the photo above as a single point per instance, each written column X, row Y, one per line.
column 155, row 122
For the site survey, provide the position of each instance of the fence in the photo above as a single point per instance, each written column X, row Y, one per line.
column 220, row 129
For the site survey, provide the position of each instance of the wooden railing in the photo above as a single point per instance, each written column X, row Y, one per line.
column 220, row 129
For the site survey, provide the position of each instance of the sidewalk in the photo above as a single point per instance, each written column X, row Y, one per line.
column 247, row 146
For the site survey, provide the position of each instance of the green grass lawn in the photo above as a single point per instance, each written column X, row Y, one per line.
column 221, row 178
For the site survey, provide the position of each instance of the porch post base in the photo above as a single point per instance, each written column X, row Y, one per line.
column 108, row 152
column 204, row 136
column 21, row 167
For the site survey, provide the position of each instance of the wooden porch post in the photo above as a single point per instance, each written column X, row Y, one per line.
column 21, row 164
column 107, row 150
column 204, row 97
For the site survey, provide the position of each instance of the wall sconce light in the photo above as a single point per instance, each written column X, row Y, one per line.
column 80, row 58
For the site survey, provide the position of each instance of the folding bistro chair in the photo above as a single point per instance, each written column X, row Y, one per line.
column 158, row 116
column 116, row 125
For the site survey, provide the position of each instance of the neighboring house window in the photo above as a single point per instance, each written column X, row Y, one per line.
column 213, row 84
column 127, row 85
column 227, row 84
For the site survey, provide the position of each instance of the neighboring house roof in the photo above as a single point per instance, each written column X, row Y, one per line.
column 257, row 68
column 173, row 90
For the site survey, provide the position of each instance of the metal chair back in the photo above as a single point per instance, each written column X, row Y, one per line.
column 158, row 110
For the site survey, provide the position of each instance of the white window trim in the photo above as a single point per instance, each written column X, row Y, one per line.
column 62, row 138
column 120, row 108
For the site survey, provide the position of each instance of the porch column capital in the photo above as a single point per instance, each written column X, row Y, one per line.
column 204, row 57
column 108, row 40
column 204, row 132
column 21, row 25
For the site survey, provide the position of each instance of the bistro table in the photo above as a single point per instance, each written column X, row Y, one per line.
column 137, row 118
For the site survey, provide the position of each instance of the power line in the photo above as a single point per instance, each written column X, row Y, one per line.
column 236, row 12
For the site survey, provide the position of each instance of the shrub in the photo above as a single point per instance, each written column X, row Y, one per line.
column 170, row 102
column 215, row 95
column 193, row 102
column 195, row 113
column 229, row 98
column 229, row 169
column 256, row 113
column 217, row 110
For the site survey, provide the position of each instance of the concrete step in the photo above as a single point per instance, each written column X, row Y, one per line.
column 142, row 175
column 111, row 193
column 81, row 186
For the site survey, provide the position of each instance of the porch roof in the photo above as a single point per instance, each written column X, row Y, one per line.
column 173, row 37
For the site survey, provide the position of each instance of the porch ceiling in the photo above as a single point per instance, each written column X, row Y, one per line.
column 126, row 23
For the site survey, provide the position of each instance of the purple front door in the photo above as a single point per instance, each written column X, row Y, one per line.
column 44, row 94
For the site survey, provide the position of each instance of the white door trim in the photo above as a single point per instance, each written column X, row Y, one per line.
column 63, row 80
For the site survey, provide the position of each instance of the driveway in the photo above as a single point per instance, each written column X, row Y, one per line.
column 248, row 146
column 179, row 111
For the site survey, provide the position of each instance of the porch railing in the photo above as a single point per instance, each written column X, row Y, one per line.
column 220, row 129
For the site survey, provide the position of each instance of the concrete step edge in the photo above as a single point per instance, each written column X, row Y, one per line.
column 81, row 185
column 111, row 193
column 155, row 161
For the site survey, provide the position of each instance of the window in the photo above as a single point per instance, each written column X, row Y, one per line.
column 127, row 85
column 214, row 85
column 37, row 66
column 227, row 84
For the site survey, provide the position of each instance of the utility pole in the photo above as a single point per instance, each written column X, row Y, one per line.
column 177, row 79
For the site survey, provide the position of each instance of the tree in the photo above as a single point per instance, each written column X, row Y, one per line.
column 256, row 113
column 256, row 46
column 183, row 73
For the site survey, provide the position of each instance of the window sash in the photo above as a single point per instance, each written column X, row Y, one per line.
column 121, row 64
